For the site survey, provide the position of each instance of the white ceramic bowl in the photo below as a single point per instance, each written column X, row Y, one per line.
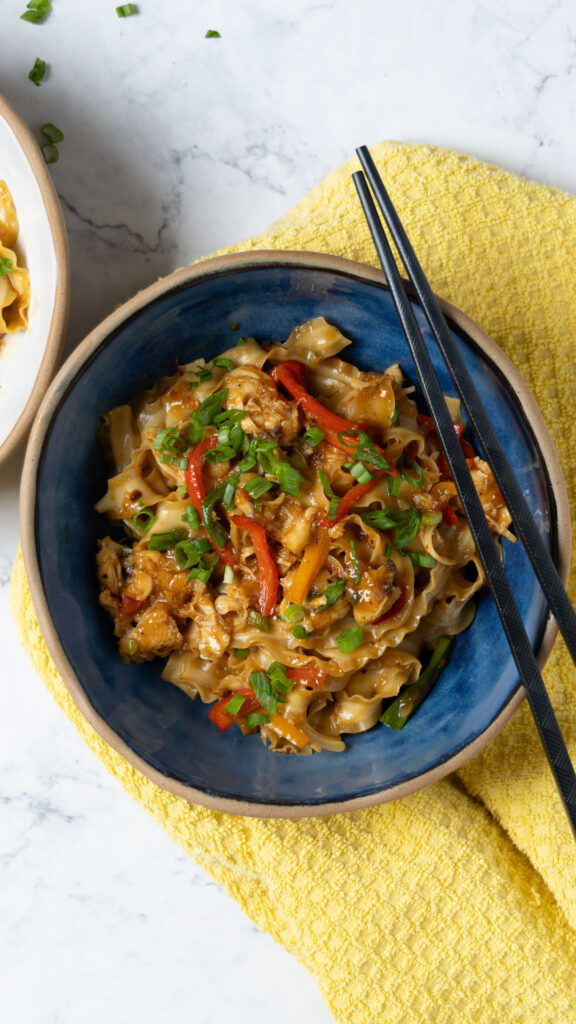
column 29, row 359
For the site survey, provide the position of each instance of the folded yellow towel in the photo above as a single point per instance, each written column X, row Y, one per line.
column 457, row 904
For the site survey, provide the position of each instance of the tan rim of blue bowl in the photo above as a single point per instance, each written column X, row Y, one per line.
column 64, row 381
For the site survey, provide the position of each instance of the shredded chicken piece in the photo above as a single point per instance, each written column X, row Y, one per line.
column 268, row 414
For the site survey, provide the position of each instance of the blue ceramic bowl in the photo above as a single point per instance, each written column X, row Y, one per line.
column 153, row 724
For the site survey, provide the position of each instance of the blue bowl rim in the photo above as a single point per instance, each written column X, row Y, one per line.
column 76, row 365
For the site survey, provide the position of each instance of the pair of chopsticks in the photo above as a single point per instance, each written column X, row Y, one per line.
column 525, row 526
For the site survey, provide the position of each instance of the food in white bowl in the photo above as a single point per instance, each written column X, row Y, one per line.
column 30, row 346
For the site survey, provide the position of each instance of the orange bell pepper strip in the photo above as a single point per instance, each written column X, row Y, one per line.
column 267, row 571
column 289, row 731
column 351, row 498
column 312, row 561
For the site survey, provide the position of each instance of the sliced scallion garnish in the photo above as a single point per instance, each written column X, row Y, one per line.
column 36, row 74
column 257, row 487
column 6, row 266
column 165, row 541
column 349, row 639
column 289, row 479
column 257, row 718
column 294, row 613
column 225, row 364
column 51, row 132
column 229, row 575
column 240, row 652
column 264, row 691
column 258, row 621
column 234, row 704
column 191, row 517
column 212, row 33
column 334, row 499
column 422, row 559
column 144, row 520
column 126, row 10
column 313, row 436
column 332, row 594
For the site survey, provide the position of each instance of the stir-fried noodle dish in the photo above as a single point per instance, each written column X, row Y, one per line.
column 293, row 544
column 14, row 279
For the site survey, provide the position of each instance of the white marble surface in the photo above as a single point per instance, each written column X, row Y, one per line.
column 176, row 145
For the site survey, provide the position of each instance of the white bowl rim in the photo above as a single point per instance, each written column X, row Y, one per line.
column 55, row 339
column 215, row 266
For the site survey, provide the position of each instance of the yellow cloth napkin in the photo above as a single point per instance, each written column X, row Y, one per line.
column 457, row 904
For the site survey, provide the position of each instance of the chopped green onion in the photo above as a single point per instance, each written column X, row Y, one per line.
column 167, row 540
column 413, row 481
column 230, row 491
column 51, row 132
column 212, row 33
column 182, row 491
column 240, row 652
column 38, row 11
column 289, row 479
column 264, row 691
column 278, row 677
column 241, row 341
column 202, row 572
column 258, row 486
column 223, row 453
column 202, row 374
column 259, row 621
column 300, row 633
column 188, row 553
column 132, row 645
column 334, row 499
column 422, row 559
column 356, row 562
column 234, row 704
column 170, row 440
column 396, row 416
column 191, row 518
column 256, row 718
column 125, row 10
column 50, row 153
column 230, row 416
column 144, row 520
column 226, row 364
column 294, row 613
column 394, row 486
column 211, row 406
column 332, row 594
column 388, row 551
column 360, row 473
column 431, row 518
column 173, row 460
column 195, row 430
column 215, row 529
column 349, row 639
column 404, row 522
column 398, row 713
column 229, row 575
column 38, row 71
column 313, row 436
column 6, row 266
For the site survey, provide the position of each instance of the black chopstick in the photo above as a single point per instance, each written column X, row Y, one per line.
column 496, row 578
column 480, row 422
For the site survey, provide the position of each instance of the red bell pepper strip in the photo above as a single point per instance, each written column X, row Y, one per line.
column 222, row 718
column 267, row 571
column 331, row 424
column 193, row 474
column 449, row 516
column 467, row 449
column 396, row 607
column 130, row 605
column 307, row 675
column 197, row 492
column 351, row 498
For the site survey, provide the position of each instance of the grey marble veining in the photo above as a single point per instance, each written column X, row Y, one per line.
column 176, row 145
